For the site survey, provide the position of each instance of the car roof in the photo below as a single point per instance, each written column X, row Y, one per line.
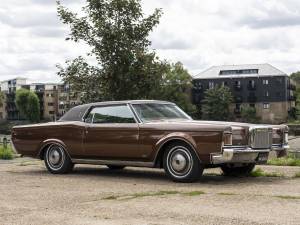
column 126, row 102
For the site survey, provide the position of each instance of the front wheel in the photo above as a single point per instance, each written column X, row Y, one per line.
column 181, row 163
column 233, row 170
column 56, row 160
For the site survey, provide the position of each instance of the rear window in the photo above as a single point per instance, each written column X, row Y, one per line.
column 75, row 114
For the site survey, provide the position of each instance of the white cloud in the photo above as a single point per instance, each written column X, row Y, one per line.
column 199, row 33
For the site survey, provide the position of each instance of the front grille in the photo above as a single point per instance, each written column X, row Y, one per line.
column 261, row 138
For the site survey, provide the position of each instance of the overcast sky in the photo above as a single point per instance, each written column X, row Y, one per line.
column 199, row 33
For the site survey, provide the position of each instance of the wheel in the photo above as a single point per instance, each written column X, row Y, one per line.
column 181, row 163
column 56, row 159
column 233, row 170
column 115, row 167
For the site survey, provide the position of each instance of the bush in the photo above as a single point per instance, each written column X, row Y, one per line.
column 248, row 115
column 6, row 153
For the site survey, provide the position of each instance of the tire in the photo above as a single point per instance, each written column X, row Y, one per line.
column 181, row 163
column 115, row 167
column 232, row 170
column 57, row 160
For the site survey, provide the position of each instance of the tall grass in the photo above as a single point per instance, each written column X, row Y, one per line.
column 6, row 153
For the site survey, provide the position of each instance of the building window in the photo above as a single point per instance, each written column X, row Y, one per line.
column 265, row 82
column 50, row 95
column 238, row 84
column 51, row 112
column 198, row 85
column 211, row 85
column 50, row 104
column 252, row 105
column 224, row 83
column 266, row 94
column 266, row 105
column 237, row 72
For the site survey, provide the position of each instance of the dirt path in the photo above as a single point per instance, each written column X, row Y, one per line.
column 96, row 195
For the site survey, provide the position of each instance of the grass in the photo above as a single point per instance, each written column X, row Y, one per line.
column 194, row 193
column 226, row 193
column 284, row 161
column 260, row 173
column 151, row 194
column 287, row 197
column 6, row 153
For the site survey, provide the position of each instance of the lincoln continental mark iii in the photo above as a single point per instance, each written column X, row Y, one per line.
column 148, row 133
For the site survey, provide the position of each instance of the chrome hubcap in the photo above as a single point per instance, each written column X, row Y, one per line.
column 54, row 157
column 178, row 162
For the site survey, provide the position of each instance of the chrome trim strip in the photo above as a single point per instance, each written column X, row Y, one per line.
column 138, row 120
column 113, row 162
column 279, row 147
column 237, row 155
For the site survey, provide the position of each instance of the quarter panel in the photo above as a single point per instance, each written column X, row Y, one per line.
column 28, row 140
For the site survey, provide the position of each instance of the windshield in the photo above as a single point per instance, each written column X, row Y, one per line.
column 157, row 112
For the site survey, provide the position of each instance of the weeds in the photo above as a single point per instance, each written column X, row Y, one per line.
column 151, row 194
column 260, row 173
column 284, row 161
column 6, row 153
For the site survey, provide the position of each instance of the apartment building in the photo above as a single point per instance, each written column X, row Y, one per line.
column 262, row 86
column 55, row 98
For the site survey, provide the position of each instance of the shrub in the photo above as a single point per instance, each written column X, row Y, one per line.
column 6, row 153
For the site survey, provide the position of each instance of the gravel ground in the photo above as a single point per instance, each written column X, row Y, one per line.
column 96, row 195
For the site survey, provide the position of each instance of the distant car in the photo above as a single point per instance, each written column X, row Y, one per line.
column 148, row 133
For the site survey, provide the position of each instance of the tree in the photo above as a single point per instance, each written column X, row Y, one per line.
column 1, row 98
column 176, row 87
column 27, row 103
column 296, row 77
column 117, row 32
column 215, row 105
column 295, row 111
column 248, row 114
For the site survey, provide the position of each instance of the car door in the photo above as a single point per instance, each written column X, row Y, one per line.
column 111, row 133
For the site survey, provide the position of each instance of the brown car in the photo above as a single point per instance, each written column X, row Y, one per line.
column 148, row 133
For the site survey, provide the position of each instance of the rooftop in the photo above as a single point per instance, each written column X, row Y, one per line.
column 247, row 70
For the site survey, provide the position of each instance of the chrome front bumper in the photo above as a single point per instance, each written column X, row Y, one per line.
column 245, row 154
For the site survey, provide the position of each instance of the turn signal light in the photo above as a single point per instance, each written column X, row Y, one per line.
column 227, row 138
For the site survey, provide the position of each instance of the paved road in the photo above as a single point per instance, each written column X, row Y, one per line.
column 96, row 195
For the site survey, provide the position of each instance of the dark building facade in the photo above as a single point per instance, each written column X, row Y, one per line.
column 262, row 86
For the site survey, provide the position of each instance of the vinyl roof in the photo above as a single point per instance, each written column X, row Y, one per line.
column 127, row 101
column 262, row 70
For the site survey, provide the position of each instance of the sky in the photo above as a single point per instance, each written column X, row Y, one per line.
column 199, row 33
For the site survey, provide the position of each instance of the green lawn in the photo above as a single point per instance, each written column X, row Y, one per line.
column 6, row 153
column 284, row 161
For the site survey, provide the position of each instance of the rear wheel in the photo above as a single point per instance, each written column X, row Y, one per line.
column 115, row 167
column 181, row 163
column 56, row 160
column 234, row 170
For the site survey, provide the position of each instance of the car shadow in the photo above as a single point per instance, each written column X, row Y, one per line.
column 145, row 174
column 131, row 173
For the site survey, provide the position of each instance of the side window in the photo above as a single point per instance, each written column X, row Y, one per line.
column 111, row 114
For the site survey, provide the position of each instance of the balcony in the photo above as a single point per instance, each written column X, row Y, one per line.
column 238, row 99
column 251, row 87
column 252, row 98
column 238, row 87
